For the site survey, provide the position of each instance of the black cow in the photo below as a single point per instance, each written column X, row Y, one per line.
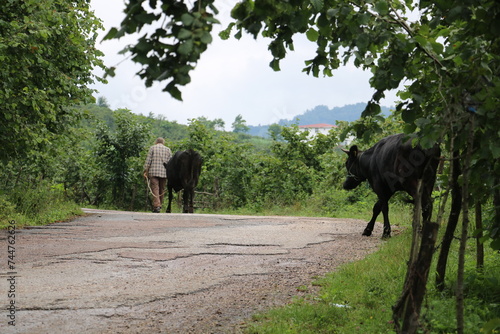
column 390, row 165
column 183, row 172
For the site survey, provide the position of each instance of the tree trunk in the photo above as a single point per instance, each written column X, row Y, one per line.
column 479, row 244
column 416, row 230
column 465, row 230
column 496, row 205
column 418, row 279
column 18, row 177
column 461, row 260
column 406, row 312
column 456, row 205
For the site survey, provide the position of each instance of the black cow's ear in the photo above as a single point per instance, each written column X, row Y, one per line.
column 353, row 151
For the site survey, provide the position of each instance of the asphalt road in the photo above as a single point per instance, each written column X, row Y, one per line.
column 128, row 272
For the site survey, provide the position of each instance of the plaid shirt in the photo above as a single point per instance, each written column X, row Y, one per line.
column 157, row 155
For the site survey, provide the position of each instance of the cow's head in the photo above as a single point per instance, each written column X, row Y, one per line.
column 354, row 177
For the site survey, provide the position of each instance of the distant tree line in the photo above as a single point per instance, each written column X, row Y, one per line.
column 99, row 163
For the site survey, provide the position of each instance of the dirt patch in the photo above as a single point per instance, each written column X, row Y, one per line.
column 125, row 272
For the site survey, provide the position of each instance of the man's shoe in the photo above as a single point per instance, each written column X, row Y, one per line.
column 157, row 209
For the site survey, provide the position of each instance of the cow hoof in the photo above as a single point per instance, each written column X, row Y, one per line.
column 367, row 233
column 386, row 236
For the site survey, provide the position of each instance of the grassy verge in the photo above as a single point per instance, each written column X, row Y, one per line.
column 355, row 299
column 358, row 298
column 33, row 207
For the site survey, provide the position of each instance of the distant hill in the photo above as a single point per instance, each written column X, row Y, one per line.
column 319, row 114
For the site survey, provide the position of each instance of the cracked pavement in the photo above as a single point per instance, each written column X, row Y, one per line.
column 129, row 272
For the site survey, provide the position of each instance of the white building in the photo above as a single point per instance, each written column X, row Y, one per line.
column 314, row 129
column 324, row 128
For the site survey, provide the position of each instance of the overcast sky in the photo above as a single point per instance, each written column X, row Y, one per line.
column 233, row 77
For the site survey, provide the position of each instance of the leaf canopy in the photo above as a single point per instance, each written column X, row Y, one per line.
column 47, row 54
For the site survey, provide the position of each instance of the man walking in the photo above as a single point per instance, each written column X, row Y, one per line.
column 155, row 171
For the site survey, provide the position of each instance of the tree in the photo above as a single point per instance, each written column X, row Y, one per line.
column 118, row 152
column 448, row 58
column 274, row 131
column 47, row 54
column 240, row 125
column 216, row 124
column 102, row 101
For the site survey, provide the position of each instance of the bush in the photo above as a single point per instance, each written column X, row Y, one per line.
column 7, row 211
column 38, row 205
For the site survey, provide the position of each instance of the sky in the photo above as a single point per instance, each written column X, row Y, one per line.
column 233, row 77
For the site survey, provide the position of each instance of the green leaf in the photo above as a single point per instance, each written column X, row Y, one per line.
column 371, row 109
column 184, row 34
column 458, row 61
column 495, row 244
column 422, row 122
column 312, row 35
column 495, row 149
column 110, row 71
column 362, row 42
column 404, row 94
column 111, row 34
column 224, row 34
column 275, row 65
column 212, row 19
column 364, row 18
column 183, row 78
column 206, row 38
column 141, row 59
column 422, row 41
column 145, row 18
column 186, row 47
column 409, row 128
column 408, row 116
column 173, row 91
column 332, row 12
column 187, row 19
column 382, row 7
column 144, row 45
column 317, row 4
column 437, row 47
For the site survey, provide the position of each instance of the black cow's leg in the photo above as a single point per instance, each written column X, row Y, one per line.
column 191, row 198
column 376, row 211
column 185, row 201
column 387, row 225
column 169, row 207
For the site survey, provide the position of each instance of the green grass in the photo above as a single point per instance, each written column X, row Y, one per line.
column 34, row 207
column 358, row 297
